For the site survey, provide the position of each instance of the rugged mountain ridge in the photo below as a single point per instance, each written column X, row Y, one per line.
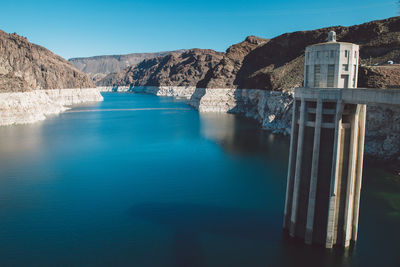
column 189, row 68
column 194, row 67
column 99, row 66
column 275, row 64
column 25, row 66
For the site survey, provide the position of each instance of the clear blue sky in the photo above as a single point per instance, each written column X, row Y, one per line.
column 86, row 28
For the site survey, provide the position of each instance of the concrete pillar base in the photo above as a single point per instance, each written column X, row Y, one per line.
column 308, row 239
column 292, row 229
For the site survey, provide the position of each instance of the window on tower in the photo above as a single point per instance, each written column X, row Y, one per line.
column 317, row 75
column 331, row 75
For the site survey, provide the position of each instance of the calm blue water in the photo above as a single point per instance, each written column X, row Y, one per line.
column 167, row 187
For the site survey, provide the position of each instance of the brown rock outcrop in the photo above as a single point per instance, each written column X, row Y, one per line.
column 224, row 73
column 387, row 76
column 25, row 66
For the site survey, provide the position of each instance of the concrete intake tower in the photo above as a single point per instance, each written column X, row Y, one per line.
column 327, row 147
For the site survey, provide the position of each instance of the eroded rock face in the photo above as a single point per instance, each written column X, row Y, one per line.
column 25, row 66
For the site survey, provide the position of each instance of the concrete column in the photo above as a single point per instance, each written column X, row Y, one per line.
column 290, row 169
column 299, row 155
column 351, row 176
column 360, row 159
column 314, row 174
column 330, row 231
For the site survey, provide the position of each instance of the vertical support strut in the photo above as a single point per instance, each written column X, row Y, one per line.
column 314, row 174
column 299, row 155
column 360, row 158
column 331, row 223
column 289, row 186
column 353, row 156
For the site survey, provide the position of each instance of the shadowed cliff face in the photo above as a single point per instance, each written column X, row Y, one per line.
column 256, row 63
column 25, row 66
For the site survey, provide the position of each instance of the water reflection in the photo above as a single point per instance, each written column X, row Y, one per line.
column 21, row 138
column 242, row 136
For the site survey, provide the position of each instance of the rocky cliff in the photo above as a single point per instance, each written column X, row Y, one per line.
column 25, row 66
column 387, row 76
column 99, row 66
column 256, row 63
column 257, row 76
column 26, row 70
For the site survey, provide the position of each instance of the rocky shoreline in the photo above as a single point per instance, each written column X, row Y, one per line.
column 273, row 110
column 36, row 105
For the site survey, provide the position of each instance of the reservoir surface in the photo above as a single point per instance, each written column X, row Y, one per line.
column 141, row 180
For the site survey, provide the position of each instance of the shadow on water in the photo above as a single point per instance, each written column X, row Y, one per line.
column 189, row 221
column 296, row 253
column 239, row 135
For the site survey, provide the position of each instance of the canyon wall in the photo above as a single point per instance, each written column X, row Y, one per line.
column 257, row 77
column 35, row 83
column 25, row 66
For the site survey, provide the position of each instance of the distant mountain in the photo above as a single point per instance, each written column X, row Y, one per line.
column 25, row 66
column 186, row 69
column 256, row 63
column 194, row 67
column 99, row 66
